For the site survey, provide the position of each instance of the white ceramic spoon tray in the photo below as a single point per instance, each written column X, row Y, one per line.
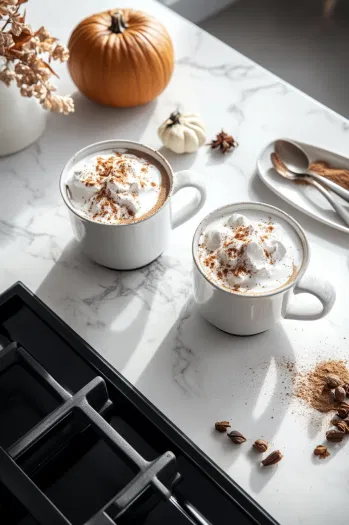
column 301, row 196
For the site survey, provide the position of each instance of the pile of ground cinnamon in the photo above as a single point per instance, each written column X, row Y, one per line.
column 311, row 386
column 338, row 175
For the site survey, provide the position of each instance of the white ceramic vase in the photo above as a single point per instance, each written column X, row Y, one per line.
column 22, row 120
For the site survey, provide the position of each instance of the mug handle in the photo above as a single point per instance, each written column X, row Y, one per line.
column 188, row 179
column 323, row 290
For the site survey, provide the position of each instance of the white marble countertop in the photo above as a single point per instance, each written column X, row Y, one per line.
column 144, row 322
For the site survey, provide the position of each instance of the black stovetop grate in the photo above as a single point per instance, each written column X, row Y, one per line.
column 86, row 403
column 58, row 402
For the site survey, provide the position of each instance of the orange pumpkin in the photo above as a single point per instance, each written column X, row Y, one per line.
column 121, row 58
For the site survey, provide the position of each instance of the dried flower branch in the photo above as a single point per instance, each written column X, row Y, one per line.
column 21, row 58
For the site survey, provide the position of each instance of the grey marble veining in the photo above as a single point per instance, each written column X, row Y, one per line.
column 145, row 322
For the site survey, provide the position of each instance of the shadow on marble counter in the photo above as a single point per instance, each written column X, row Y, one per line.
column 108, row 308
column 259, row 475
column 90, row 123
column 210, row 375
column 178, row 162
column 217, row 158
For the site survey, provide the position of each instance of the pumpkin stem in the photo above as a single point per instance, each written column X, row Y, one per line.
column 118, row 24
column 174, row 118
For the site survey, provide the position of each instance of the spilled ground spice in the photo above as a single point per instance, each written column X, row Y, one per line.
column 338, row 175
column 311, row 386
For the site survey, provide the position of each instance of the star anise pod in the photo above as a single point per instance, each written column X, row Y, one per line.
column 224, row 142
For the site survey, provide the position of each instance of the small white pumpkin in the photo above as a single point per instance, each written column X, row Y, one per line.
column 182, row 132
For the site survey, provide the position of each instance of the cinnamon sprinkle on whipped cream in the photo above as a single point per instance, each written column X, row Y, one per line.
column 113, row 187
column 250, row 253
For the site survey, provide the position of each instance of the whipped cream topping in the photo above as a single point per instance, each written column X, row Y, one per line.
column 250, row 253
column 114, row 186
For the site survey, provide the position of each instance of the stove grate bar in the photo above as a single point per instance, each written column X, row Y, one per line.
column 112, row 437
column 145, row 479
column 21, row 486
column 164, row 466
column 95, row 392
column 13, row 354
column 149, row 477
column 100, row 519
column 43, row 374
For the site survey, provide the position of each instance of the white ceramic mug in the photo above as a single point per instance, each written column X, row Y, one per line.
column 130, row 246
column 248, row 314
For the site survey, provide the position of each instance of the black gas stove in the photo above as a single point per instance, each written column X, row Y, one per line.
column 79, row 445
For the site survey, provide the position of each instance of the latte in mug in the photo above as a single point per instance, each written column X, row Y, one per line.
column 250, row 252
column 119, row 198
column 249, row 262
column 118, row 186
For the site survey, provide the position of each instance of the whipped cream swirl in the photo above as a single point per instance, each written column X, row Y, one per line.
column 113, row 187
column 250, row 254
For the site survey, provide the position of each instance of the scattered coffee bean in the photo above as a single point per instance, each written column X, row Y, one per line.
column 222, row 426
column 346, row 421
column 273, row 458
column 236, row 437
column 345, row 405
column 335, row 436
column 340, row 424
column 260, row 445
column 332, row 381
column 346, row 388
column 339, row 394
column 342, row 413
column 321, row 451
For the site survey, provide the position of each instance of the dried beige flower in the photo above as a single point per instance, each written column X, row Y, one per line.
column 60, row 53
column 26, row 91
column 43, row 34
column 39, row 90
column 6, row 39
column 7, row 76
column 16, row 28
column 22, row 62
column 5, row 10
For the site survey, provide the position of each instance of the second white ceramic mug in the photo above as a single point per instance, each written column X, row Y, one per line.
column 130, row 246
column 248, row 314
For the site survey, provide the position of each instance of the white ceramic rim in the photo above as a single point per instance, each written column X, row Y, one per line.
column 109, row 144
column 229, row 208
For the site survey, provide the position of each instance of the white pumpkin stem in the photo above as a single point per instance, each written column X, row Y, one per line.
column 118, row 24
column 174, row 118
